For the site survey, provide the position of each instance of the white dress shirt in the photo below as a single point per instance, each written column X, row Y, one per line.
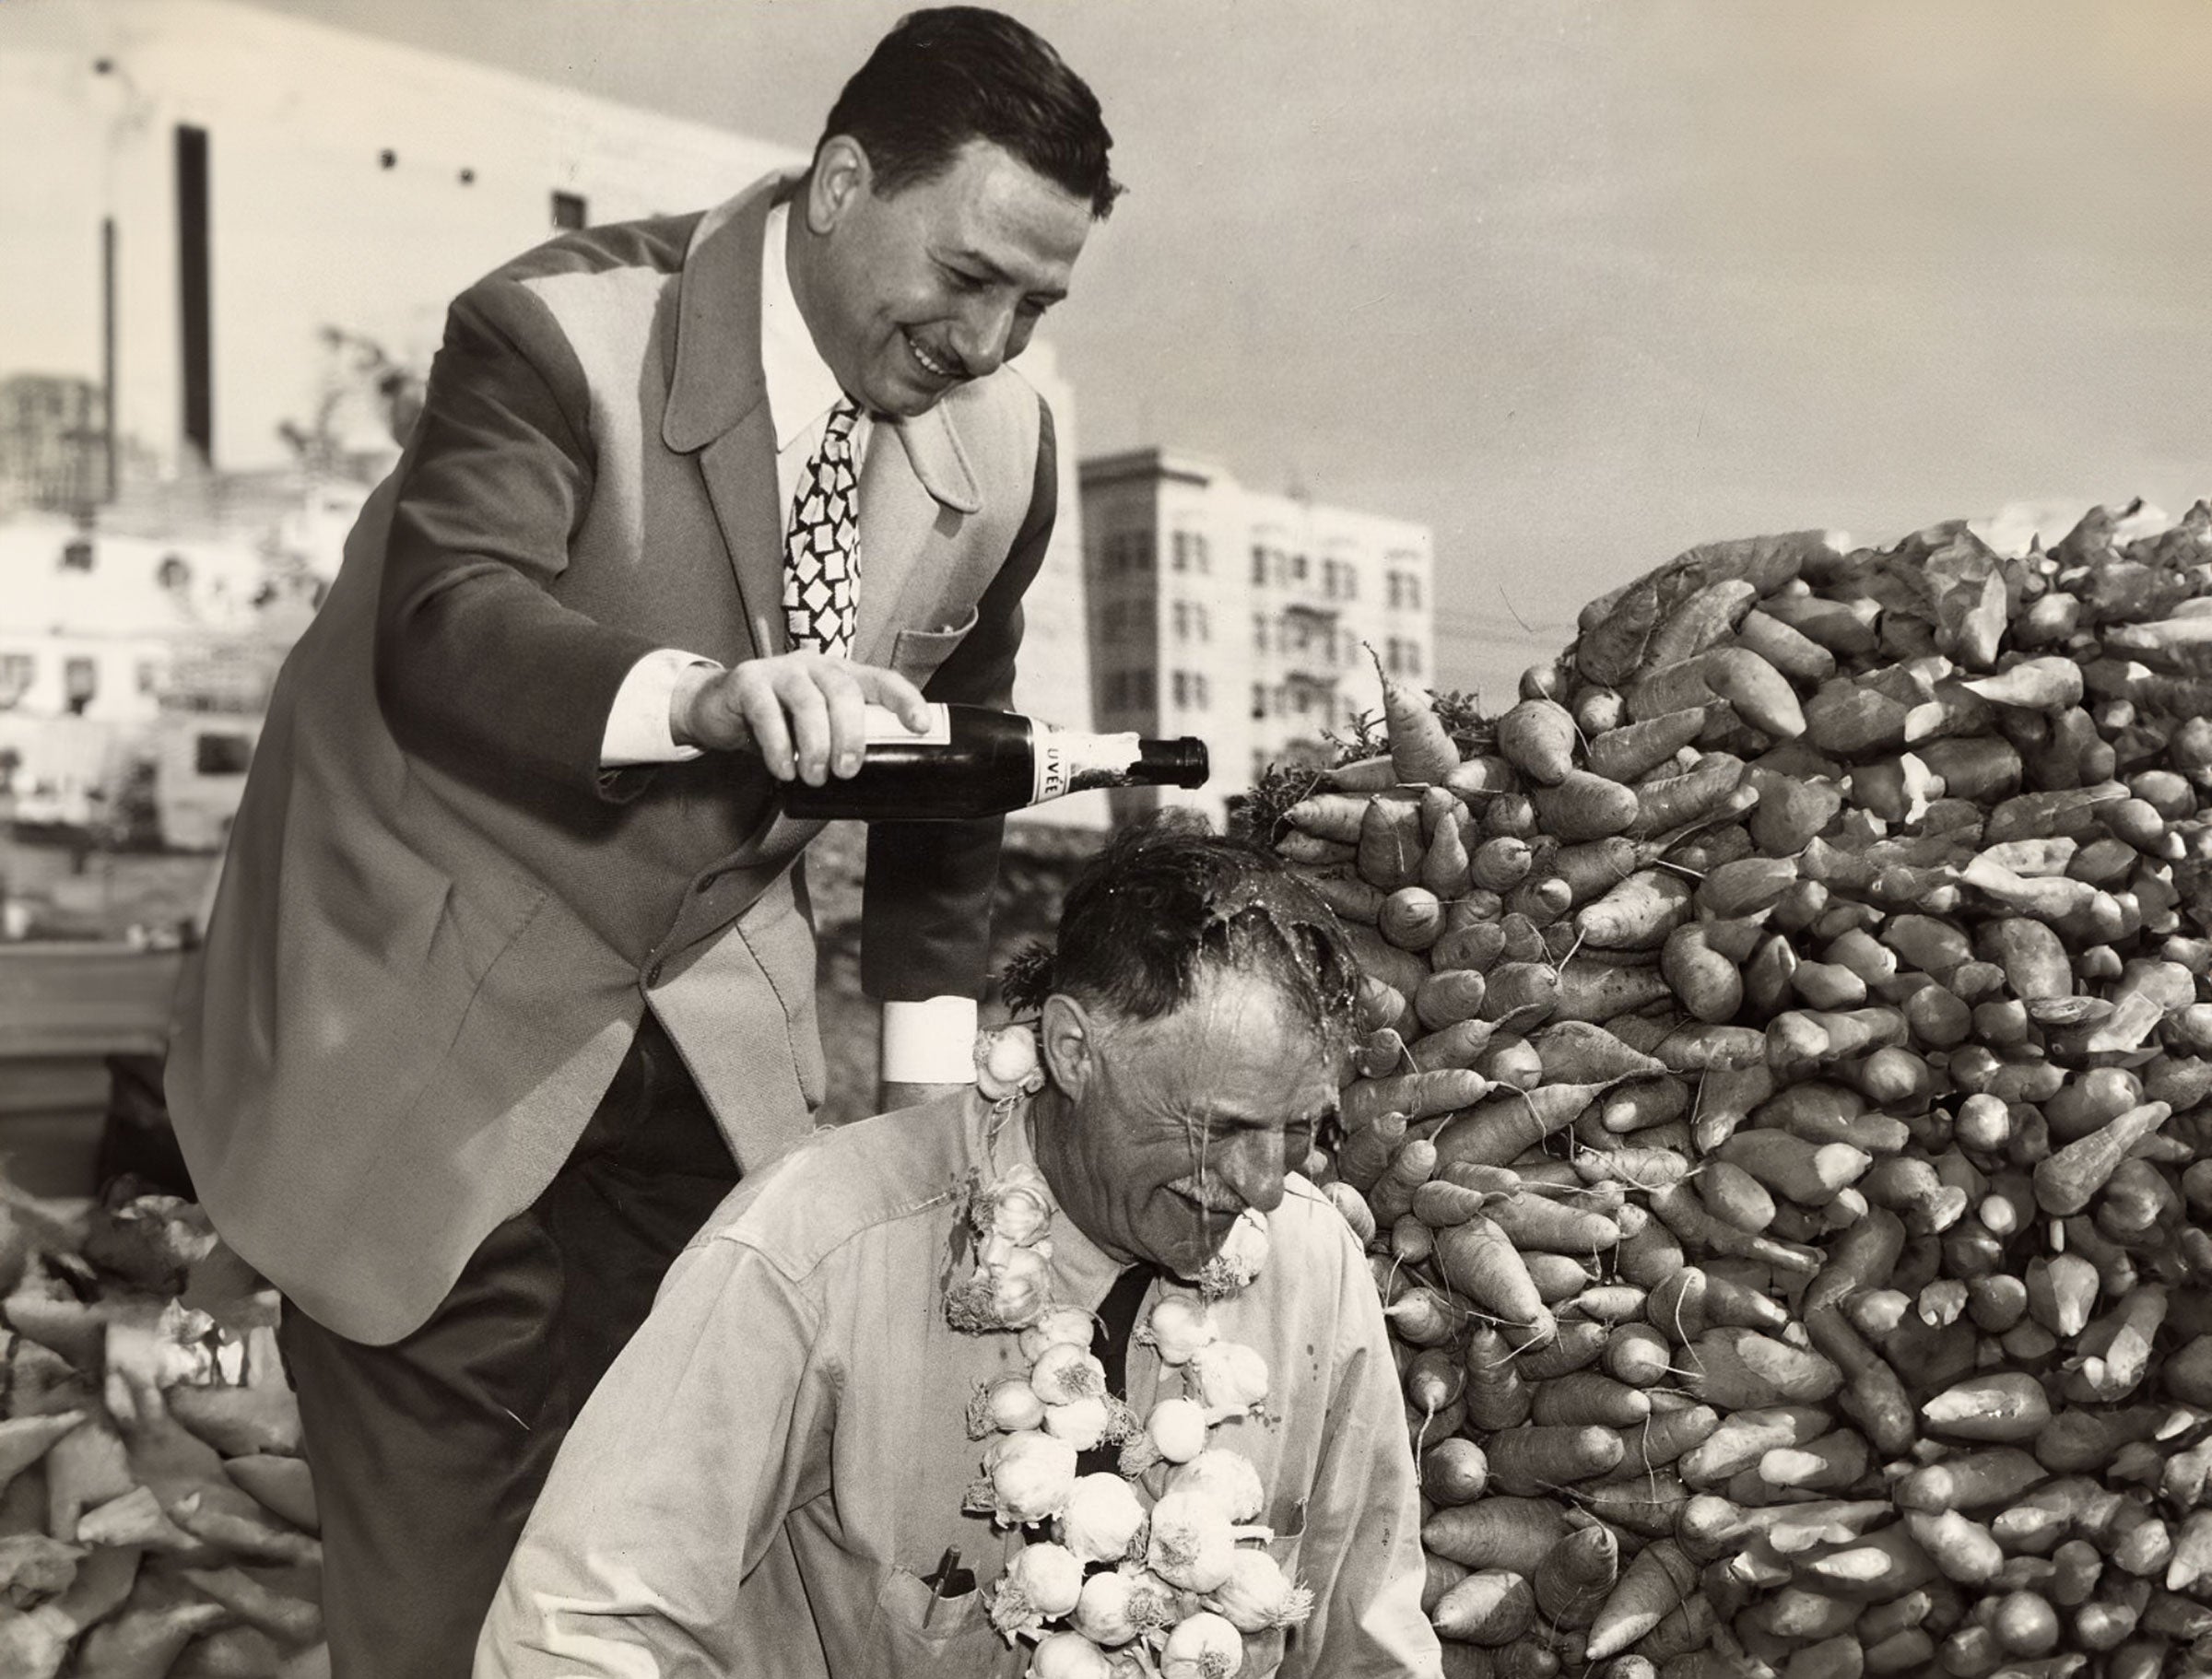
column 930, row 1042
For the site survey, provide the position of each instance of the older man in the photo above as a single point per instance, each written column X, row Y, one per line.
column 770, row 1478
column 507, row 983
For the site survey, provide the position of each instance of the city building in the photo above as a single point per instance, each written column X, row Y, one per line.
column 1243, row 617
column 231, row 235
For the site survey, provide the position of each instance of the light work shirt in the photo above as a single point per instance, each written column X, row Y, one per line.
column 778, row 1458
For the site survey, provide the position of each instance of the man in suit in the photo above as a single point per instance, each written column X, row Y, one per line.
column 510, row 975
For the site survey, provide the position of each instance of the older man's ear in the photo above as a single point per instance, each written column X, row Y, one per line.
column 1069, row 1034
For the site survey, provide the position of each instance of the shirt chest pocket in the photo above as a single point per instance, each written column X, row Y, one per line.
column 918, row 1632
column 917, row 654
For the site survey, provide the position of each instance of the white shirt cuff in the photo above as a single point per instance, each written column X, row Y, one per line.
column 931, row 1042
column 637, row 729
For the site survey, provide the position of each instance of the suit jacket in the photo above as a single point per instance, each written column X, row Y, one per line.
column 439, row 919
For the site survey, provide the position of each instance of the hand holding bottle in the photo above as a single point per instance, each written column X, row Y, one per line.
column 802, row 713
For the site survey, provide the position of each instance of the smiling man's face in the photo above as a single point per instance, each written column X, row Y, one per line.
column 1174, row 1126
column 940, row 282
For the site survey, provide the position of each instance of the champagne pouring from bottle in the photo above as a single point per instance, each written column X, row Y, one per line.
column 973, row 761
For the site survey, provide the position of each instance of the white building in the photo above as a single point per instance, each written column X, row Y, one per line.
column 1241, row 616
column 200, row 198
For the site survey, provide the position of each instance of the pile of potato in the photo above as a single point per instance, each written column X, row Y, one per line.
column 155, row 1516
column 1782, row 1133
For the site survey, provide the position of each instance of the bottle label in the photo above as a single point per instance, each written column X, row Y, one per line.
column 1068, row 760
column 884, row 728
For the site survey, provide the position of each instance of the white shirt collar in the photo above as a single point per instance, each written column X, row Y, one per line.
column 801, row 388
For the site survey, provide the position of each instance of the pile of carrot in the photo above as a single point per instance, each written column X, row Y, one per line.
column 1782, row 1128
column 155, row 1516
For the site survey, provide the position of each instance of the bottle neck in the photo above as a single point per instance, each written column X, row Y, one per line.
column 1070, row 760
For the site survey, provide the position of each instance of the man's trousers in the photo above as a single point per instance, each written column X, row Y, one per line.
column 428, row 1453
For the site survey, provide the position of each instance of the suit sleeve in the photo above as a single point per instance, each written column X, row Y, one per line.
column 478, row 665
column 925, row 916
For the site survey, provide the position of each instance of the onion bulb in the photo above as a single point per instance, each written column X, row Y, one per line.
column 1011, row 1405
column 1258, row 1594
column 1204, row 1645
column 1177, row 1328
column 1028, row 1477
column 1228, row 1378
column 1176, row 1429
column 1069, row 1324
column 1228, row 1477
column 1068, row 1655
column 1080, row 1421
column 1041, row 1583
column 1193, row 1543
column 1116, row 1607
column 1064, row 1372
column 1102, row 1518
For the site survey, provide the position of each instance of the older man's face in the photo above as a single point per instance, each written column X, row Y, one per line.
column 944, row 279
column 1190, row 1119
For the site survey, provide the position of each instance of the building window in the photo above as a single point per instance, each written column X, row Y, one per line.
column 1405, row 590
column 1259, row 631
column 1298, row 567
column 1259, row 702
column 1202, row 560
column 1413, row 658
column 76, row 555
column 1182, row 687
column 18, row 671
column 568, row 211
column 1259, row 563
column 221, row 754
column 149, row 675
column 80, row 685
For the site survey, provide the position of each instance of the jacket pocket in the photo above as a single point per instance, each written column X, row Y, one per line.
column 916, row 653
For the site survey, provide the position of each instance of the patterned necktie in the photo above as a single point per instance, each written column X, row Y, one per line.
column 821, row 550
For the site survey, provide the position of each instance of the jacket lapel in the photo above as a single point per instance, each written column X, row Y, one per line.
column 718, row 408
column 718, row 400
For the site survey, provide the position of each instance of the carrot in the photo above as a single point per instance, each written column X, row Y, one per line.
column 1576, row 1344
column 1572, row 1579
column 1593, row 867
column 1369, row 1148
column 1660, row 1440
column 1691, row 1046
column 1676, row 801
column 1445, row 865
column 1972, row 1480
column 289, row 1620
column 1640, row 1104
column 1496, row 1396
column 1329, row 816
column 1450, row 996
column 1638, row 914
column 1707, row 984
column 1392, row 1197
column 1420, row 748
column 1418, row 1096
column 2044, row 684
column 1491, row 1607
column 1521, row 992
column 1476, row 945
column 1302, row 848
column 1793, row 654
column 1559, row 1277
column 1733, row 1368
column 1551, row 1226
column 1580, row 806
column 1454, row 1470
column 1834, row 1462
column 1483, row 776
column 2003, row 1405
column 1363, row 775
column 1809, row 1173
column 2067, row 1180
column 1511, row 1064
column 1505, row 1124
column 144, row 1642
column 1353, row 1205
column 1460, row 1044
column 1656, row 1581
column 1498, row 1531
column 1582, row 1052
column 1586, row 1397
column 1351, row 897
column 1703, row 619
column 1478, row 1259
column 1390, row 845
column 1411, row 918
column 1541, row 899
column 1538, row 1457
column 1628, row 753
column 1616, row 629
column 1601, row 993
column 1538, row 737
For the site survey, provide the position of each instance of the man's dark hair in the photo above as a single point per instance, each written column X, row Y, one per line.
column 953, row 73
column 1166, row 902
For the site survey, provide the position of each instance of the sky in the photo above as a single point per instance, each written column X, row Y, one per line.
column 1579, row 283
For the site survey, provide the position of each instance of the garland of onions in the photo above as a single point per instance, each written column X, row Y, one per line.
column 1116, row 1590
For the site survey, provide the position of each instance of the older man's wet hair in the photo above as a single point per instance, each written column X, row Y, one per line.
column 1165, row 902
column 953, row 73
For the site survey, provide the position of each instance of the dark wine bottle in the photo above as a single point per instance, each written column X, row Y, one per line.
column 973, row 762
